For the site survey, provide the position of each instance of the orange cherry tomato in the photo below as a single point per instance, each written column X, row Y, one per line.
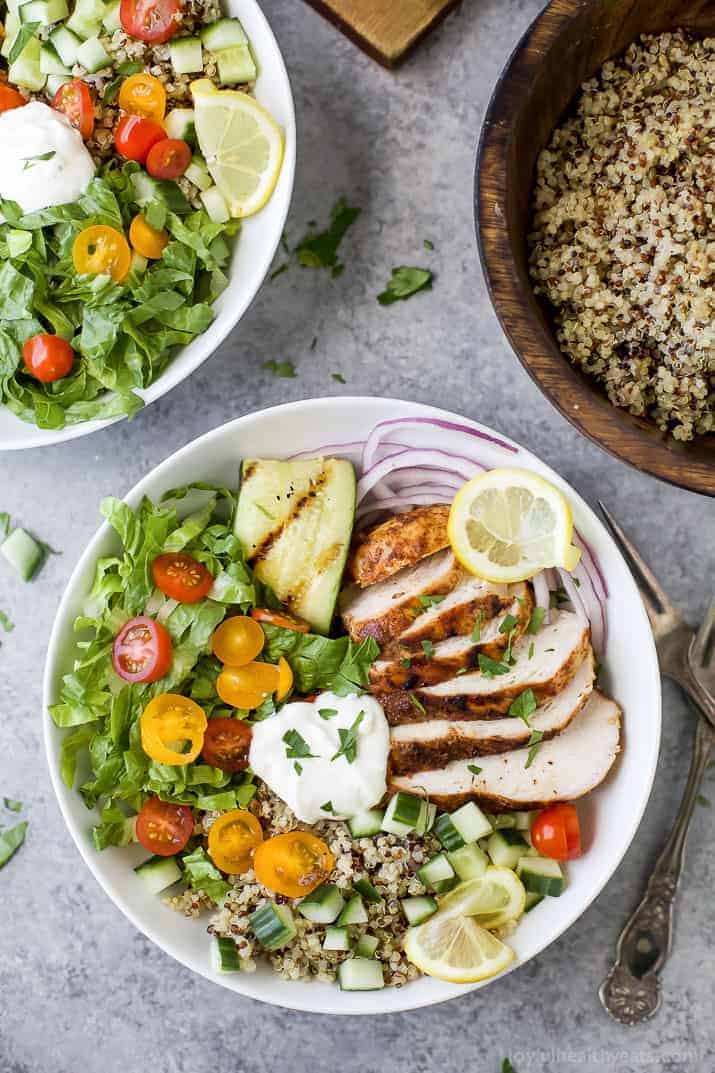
column 142, row 650
column 226, row 744
column 556, row 833
column 75, row 100
column 10, row 98
column 247, row 687
column 48, row 357
column 135, row 136
column 181, row 577
column 143, row 95
column 168, row 159
column 164, row 828
column 278, row 618
column 168, row 722
column 285, row 679
column 237, row 641
column 293, row 864
column 147, row 240
column 100, row 250
column 233, row 839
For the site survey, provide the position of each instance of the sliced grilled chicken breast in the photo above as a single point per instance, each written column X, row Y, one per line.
column 567, row 767
column 386, row 609
column 558, row 649
column 437, row 742
column 469, row 600
column 399, row 542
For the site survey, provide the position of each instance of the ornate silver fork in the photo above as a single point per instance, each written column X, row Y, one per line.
column 631, row 992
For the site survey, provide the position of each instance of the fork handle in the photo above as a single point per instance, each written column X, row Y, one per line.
column 631, row 991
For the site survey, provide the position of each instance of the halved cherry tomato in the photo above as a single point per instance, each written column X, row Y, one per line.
column 142, row 650
column 170, row 721
column 556, row 833
column 10, row 98
column 237, row 641
column 293, row 864
column 48, row 357
column 147, row 240
column 233, row 839
column 100, row 249
column 285, row 679
column 247, row 687
column 226, row 744
column 143, row 95
column 163, row 828
column 150, row 20
column 75, row 100
column 168, row 159
column 135, row 136
column 279, row 618
column 181, row 577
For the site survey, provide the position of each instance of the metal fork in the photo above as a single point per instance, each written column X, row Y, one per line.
column 631, row 992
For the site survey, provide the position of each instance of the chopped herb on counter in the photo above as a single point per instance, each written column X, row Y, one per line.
column 428, row 244
column 285, row 369
column 320, row 250
column 404, row 282
column 10, row 841
column 339, row 377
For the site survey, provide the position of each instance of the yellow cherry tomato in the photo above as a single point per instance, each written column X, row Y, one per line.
column 169, row 723
column 293, row 864
column 233, row 838
column 285, row 679
column 147, row 240
column 100, row 250
column 247, row 687
column 237, row 641
column 143, row 95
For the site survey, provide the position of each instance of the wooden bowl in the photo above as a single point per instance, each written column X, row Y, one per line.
column 565, row 45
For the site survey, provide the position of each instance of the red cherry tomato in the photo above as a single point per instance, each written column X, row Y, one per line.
column 48, row 357
column 168, row 159
column 10, row 98
column 163, row 828
column 150, row 20
column 75, row 100
column 181, row 577
column 142, row 650
column 556, row 833
column 135, row 136
column 226, row 744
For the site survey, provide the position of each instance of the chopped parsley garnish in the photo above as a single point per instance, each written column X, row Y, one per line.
column 328, row 807
column 30, row 161
column 404, row 282
column 406, row 661
column 298, row 768
column 130, row 67
column 417, row 703
column 704, row 801
column 428, row 244
column 314, row 343
column 349, row 740
column 463, row 670
column 558, row 596
column 534, row 742
column 11, row 805
column 286, row 369
column 320, row 250
column 507, row 1067
column 536, row 620
column 23, row 35
column 339, row 377
column 476, row 634
column 474, row 769
column 507, row 624
column 531, row 650
column 508, row 658
column 278, row 271
column 549, row 650
column 523, row 705
column 428, row 649
column 491, row 667
column 5, row 622
column 296, row 746
column 327, row 713
column 430, row 601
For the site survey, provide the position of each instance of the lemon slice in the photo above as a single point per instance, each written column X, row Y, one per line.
column 241, row 143
column 507, row 524
column 492, row 899
column 455, row 948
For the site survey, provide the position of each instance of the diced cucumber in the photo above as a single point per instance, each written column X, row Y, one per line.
column 44, row 11
column 524, row 820
column 23, row 553
column 438, row 874
column 336, row 939
column 403, row 814
column 366, row 824
column 83, row 27
column 179, row 123
column 110, row 19
column 18, row 242
column 541, row 875
column 186, row 55
column 25, row 71
column 471, row 822
column 92, row 56
column 469, row 862
column 419, row 908
column 224, row 955
column 12, row 25
column 273, row 925
column 235, row 65
column 370, row 894
column 532, row 899
column 504, row 819
column 198, row 174
column 66, row 44
column 427, row 817
column 366, row 946
column 323, row 905
column 360, row 974
column 447, row 833
column 50, row 63
column 158, row 873
column 215, row 205
column 54, row 82
column 223, row 34
column 507, row 847
column 354, row 912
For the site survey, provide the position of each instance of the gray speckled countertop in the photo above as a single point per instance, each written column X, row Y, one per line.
column 80, row 989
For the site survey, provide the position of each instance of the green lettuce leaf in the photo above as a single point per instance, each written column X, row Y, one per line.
column 201, row 874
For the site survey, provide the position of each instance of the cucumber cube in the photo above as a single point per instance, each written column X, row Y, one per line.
column 235, row 65
column 66, row 44
column 223, row 34
column 186, row 55
column 215, row 204
column 92, row 56
column 50, row 62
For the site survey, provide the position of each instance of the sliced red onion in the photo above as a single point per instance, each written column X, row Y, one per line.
column 541, row 593
column 436, row 422
column 591, row 564
column 443, row 462
column 595, row 609
column 573, row 594
column 351, row 447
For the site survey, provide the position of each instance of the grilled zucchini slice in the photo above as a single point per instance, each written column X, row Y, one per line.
column 295, row 520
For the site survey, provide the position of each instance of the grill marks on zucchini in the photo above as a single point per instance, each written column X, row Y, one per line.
column 262, row 550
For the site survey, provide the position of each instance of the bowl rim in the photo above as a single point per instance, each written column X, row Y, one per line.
column 568, row 393
column 283, row 997
column 170, row 377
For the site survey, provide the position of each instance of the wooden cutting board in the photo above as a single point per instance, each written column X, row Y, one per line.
column 385, row 29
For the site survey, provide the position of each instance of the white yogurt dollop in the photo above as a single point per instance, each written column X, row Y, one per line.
column 350, row 787
column 43, row 160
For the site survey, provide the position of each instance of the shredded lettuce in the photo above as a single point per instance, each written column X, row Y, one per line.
column 320, row 663
column 201, row 874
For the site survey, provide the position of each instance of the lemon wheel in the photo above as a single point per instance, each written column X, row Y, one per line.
column 455, row 948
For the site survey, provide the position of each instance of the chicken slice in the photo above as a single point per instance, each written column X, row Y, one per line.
column 399, row 542
column 562, row 769
column 433, row 744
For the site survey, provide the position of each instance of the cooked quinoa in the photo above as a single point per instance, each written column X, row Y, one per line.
column 623, row 231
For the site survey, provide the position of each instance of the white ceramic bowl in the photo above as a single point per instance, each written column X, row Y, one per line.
column 609, row 817
column 254, row 249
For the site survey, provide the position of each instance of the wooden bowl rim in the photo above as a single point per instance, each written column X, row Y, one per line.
column 571, row 396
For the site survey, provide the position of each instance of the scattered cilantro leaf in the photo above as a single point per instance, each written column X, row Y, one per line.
column 430, row 601
column 298, row 768
column 406, row 661
column 10, row 841
column 507, row 1067
column 474, row 769
column 508, row 657
column 130, row 67
column 296, row 746
column 536, row 620
column 531, row 650
column 328, row 807
column 339, row 377
column 30, row 161
column 524, row 705
column 533, row 743
column 278, row 271
column 320, row 250
column 463, row 670
column 476, row 634
column 417, row 703
column 348, row 740
column 314, row 343
column 4, row 523
column 404, row 282
column 507, row 624
column 704, row 801
column 428, row 649
column 286, row 369
column 428, row 244
column 491, row 667
column 5, row 622
column 327, row 713
column 11, row 805
column 558, row 596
